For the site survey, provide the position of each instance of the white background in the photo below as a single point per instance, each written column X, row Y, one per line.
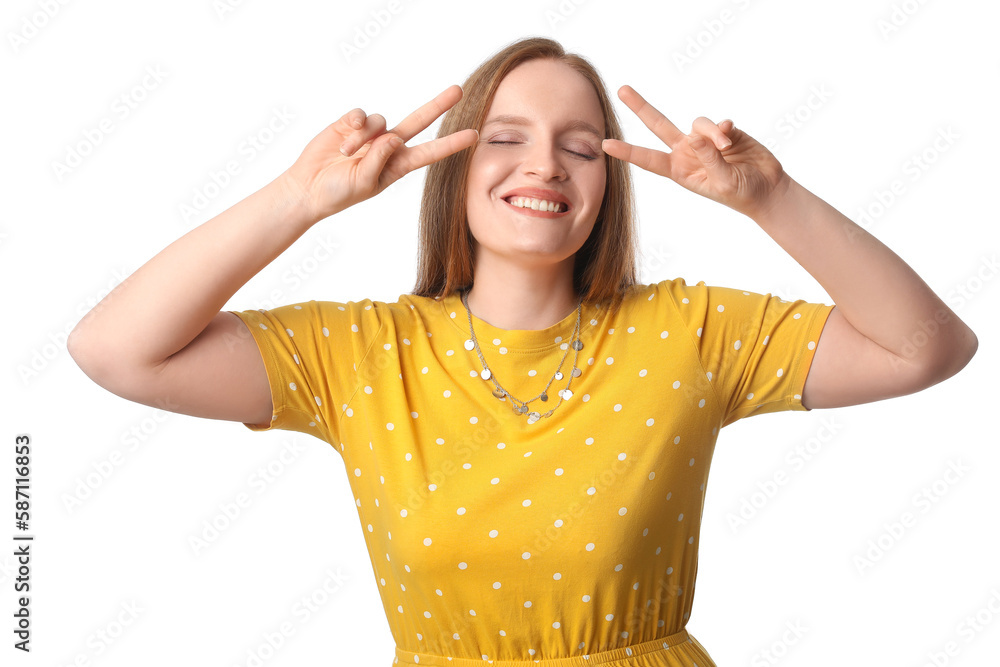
column 66, row 239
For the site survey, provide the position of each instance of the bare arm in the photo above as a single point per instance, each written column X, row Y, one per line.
column 169, row 311
column 160, row 338
column 168, row 301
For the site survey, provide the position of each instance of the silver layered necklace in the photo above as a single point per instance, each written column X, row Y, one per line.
column 518, row 406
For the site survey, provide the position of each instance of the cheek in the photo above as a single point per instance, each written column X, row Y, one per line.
column 487, row 171
column 480, row 184
column 596, row 185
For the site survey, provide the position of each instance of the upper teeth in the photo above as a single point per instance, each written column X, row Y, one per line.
column 537, row 204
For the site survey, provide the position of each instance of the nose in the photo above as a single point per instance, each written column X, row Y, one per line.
column 543, row 160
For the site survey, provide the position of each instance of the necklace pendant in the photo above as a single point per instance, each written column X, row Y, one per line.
column 486, row 374
column 558, row 375
column 577, row 345
column 577, row 372
column 544, row 396
column 533, row 417
column 566, row 394
column 524, row 409
column 499, row 393
column 470, row 345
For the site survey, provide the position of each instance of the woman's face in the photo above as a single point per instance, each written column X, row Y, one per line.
column 541, row 140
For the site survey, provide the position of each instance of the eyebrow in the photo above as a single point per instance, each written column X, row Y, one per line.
column 509, row 119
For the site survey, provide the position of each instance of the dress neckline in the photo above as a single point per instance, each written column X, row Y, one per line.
column 518, row 340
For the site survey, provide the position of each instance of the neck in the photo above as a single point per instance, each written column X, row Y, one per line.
column 521, row 297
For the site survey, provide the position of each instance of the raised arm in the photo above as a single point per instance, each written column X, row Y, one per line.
column 160, row 338
column 889, row 334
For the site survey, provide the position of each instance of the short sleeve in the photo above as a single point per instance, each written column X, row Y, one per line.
column 312, row 352
column 756, row 349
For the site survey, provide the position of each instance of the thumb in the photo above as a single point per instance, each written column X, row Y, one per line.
column 374, row 160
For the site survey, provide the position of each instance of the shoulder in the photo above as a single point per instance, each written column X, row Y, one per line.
column 678, row 292
column 670, row 292
column 407, row 308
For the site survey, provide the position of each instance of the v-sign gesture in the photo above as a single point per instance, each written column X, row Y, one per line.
column 356, row 158
column 720, row 161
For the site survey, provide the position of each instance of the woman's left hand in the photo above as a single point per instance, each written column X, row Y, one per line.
column 720, row 162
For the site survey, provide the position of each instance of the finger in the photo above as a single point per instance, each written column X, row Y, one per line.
column 355, row 118
column 374, row 160
column 715, row 165
column 419, row 120
column 713, row 132
column 373, row 126
column 421, row 155
column 653, row 119
column 649, row 159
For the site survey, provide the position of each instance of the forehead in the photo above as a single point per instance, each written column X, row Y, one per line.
column 546, row 91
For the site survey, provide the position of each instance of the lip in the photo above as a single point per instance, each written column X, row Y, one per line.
column 538, row 193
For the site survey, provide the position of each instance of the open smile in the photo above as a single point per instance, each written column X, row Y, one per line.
column 535, row 207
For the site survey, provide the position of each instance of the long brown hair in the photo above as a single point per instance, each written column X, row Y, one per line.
column 604, row 267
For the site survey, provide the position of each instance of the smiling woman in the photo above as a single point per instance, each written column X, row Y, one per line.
column 532, row 139
column 538, row 146
column 561, row 529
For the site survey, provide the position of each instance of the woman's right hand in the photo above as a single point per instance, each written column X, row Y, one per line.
column 329, row 180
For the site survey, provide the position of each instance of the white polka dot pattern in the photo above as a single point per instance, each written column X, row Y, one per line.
column 493, row 539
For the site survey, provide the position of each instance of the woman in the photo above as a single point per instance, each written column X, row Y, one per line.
column 528, row 434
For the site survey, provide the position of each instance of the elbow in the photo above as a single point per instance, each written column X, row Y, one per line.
column 85, row 356
column 77, row 352
column 73, row 346
column 970, row 350
column 967, row 349
column 77, row 347
column 958, row 356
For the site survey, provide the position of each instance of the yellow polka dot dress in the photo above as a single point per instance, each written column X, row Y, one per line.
column 572, row 540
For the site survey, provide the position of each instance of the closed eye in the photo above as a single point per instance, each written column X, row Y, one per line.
column 581, row 155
